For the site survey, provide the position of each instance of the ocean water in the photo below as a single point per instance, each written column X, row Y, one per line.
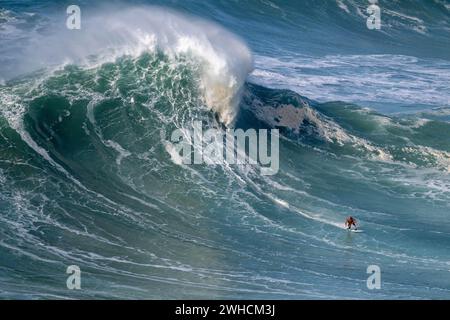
column 86, row 180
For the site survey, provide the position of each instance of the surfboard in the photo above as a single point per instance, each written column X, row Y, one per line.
column 355, row 231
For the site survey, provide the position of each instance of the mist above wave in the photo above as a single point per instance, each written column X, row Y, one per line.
column 109, row 34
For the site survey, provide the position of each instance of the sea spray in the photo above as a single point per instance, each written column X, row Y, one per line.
column 108, row 35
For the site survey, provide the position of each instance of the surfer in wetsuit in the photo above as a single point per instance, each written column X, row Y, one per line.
column 350, row 222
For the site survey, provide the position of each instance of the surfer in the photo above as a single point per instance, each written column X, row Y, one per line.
column 350, row 222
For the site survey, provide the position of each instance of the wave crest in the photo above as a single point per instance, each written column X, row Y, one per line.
column 107, row 35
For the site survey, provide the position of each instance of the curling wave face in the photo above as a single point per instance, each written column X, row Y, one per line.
column 225, row 60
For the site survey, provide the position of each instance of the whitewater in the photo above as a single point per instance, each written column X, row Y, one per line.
column 86, row 178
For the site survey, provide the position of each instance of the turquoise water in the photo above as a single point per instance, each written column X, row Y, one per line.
column 86, row 180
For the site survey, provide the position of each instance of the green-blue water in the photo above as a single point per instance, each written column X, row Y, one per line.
column 86, row 180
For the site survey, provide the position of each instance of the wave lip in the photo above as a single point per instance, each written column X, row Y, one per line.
column 107, row 35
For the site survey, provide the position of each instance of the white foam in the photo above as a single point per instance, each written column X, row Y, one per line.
column 225, row 59
column 120, row 150
column 343, row 6
column 358, row 78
